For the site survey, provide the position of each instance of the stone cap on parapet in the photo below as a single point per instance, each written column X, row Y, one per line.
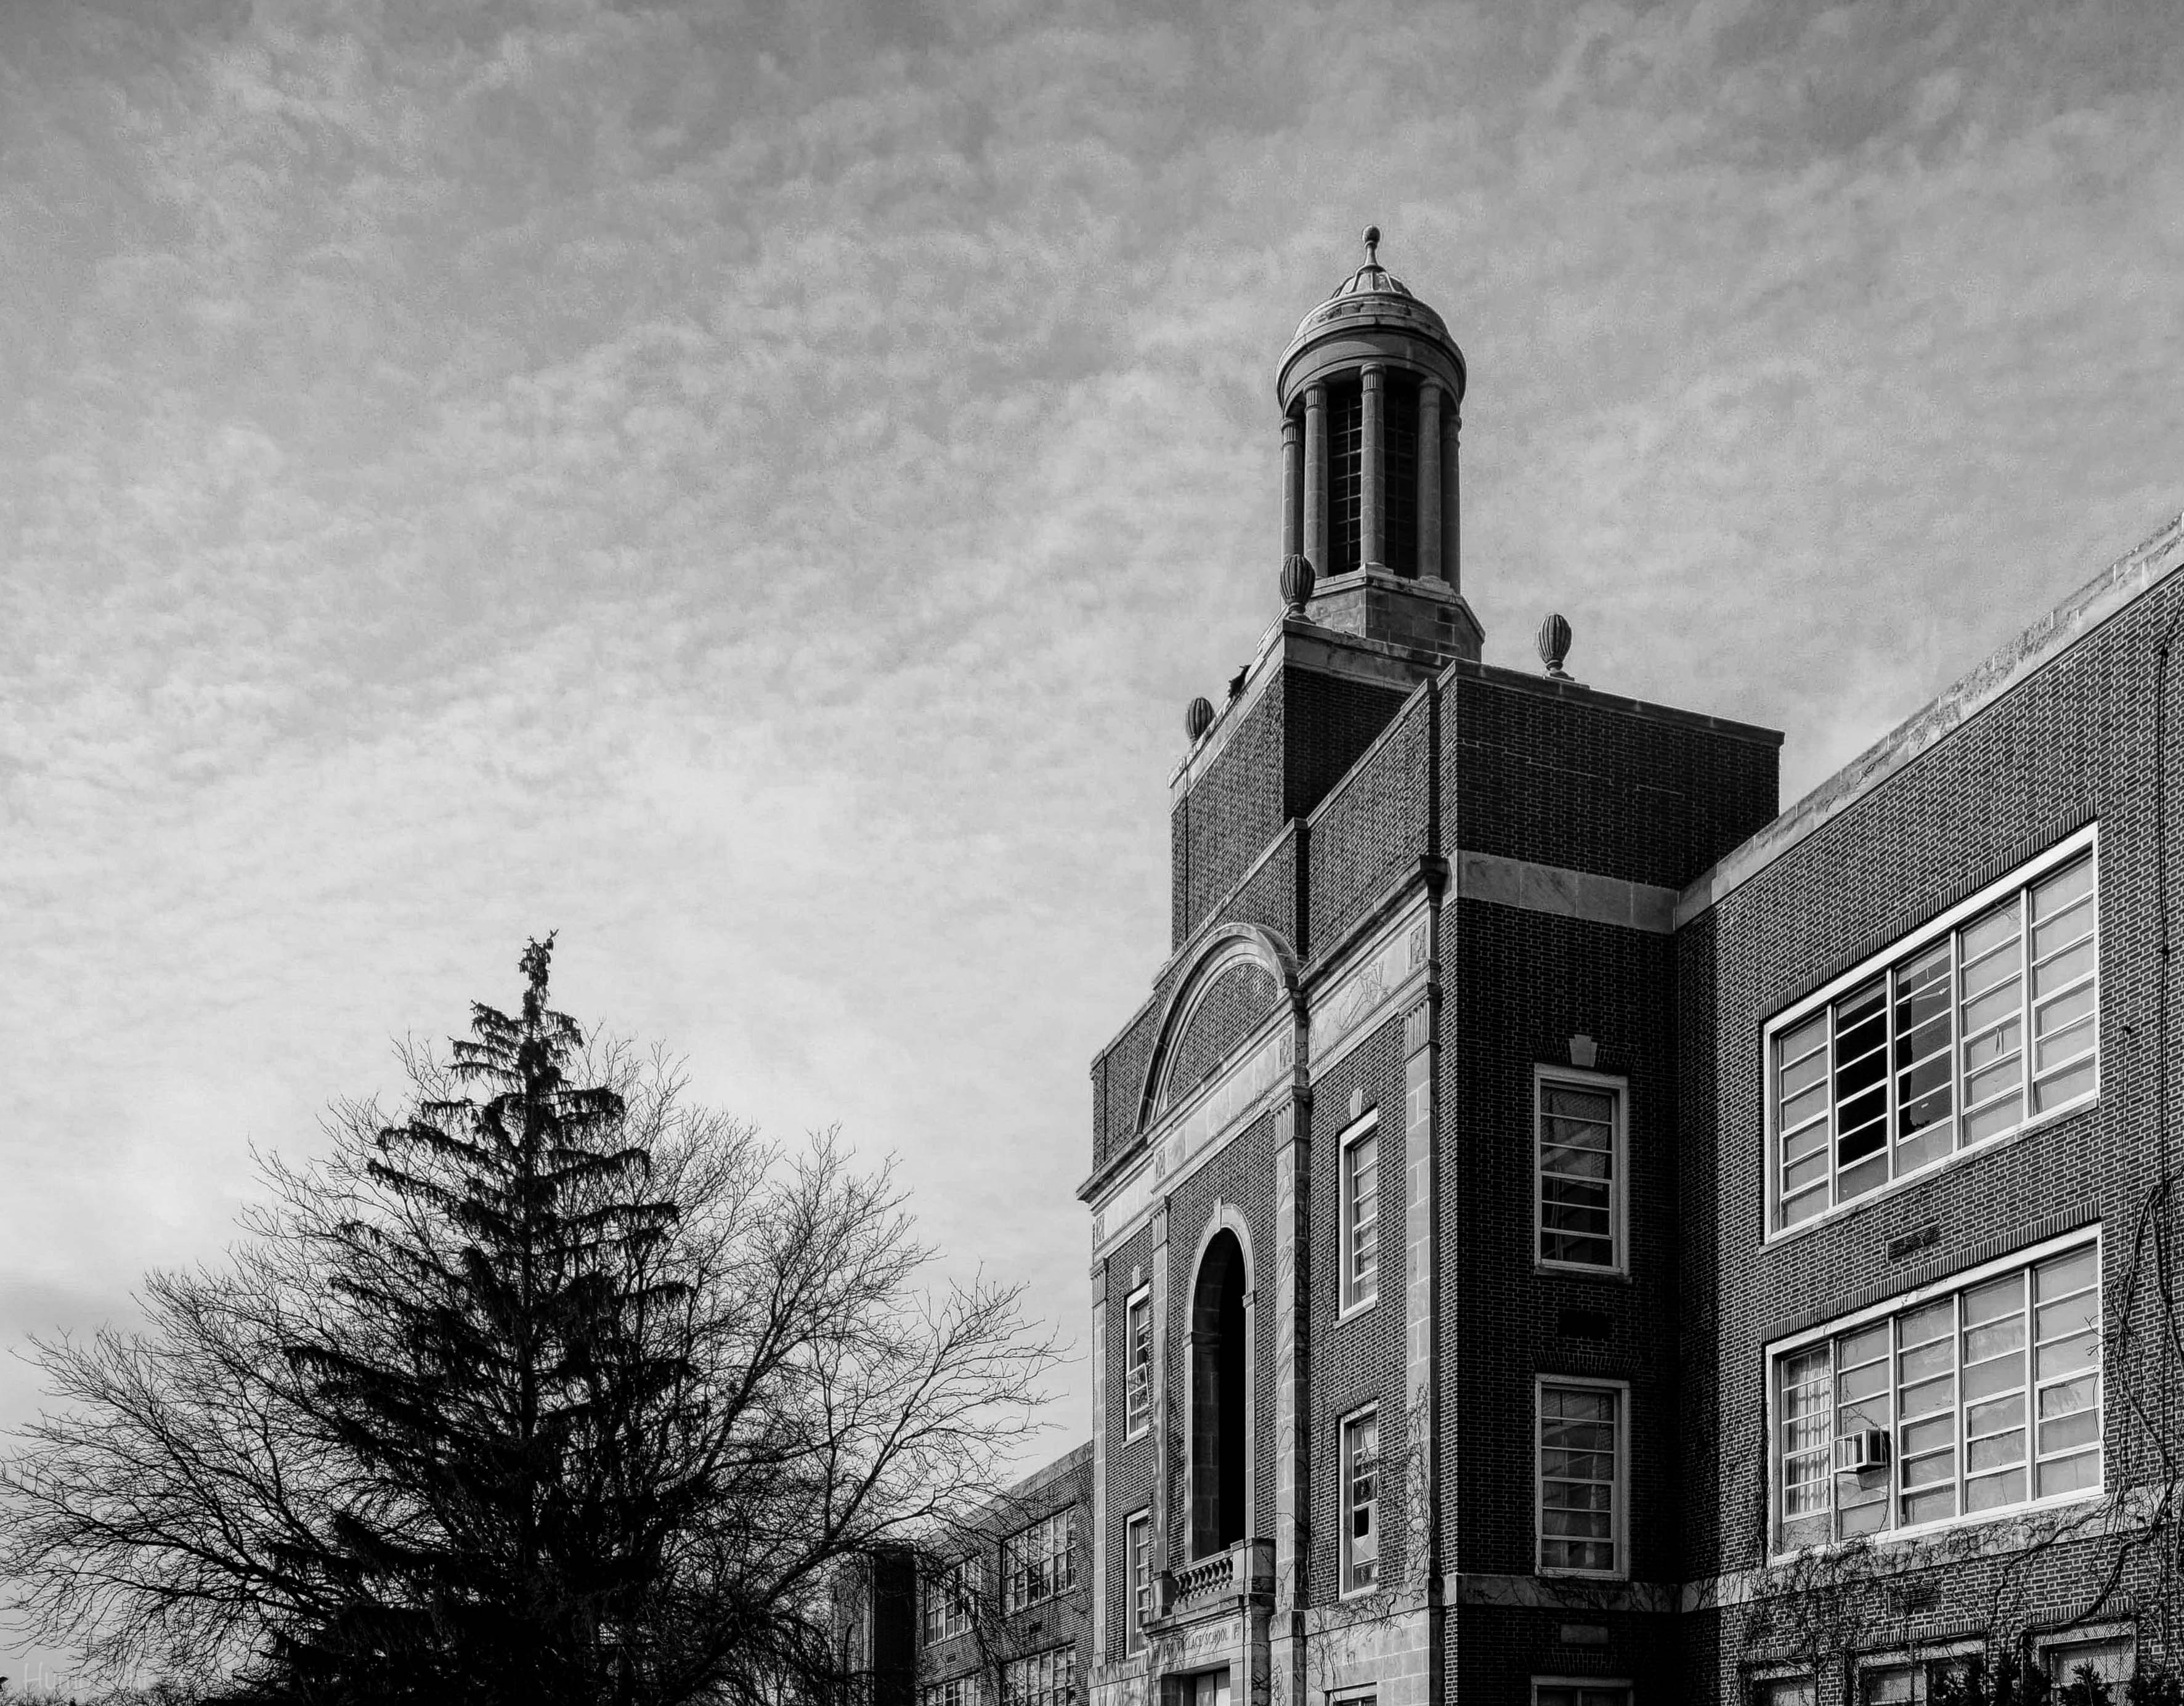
column 1299, row 643
column 2107, row 594
column 1549, row 687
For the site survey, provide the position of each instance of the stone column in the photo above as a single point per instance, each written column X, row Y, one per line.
column 1452, row 504
column 1372, row 505
column 1163, row 1559
column 1292, row 487
column 1101, row 1412
column 1315, row 477
column 1292, row 1483
column 1428, row 562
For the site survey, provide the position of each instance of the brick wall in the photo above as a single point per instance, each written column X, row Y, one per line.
column 2074, row 742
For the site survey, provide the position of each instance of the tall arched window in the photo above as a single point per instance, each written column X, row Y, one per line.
column 1220, row 1398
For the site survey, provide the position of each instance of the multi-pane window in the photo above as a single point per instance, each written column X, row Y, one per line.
column 948, row 1603
column 1138, row 1362
column 957, row 1691
column 1138, row 1543
column 1044, row 1678
column 1361, row 1502
column 1991, row 1024
column 1786, row 1690
column 1360, row 1219
column 1039, row 1563
column 1910, row 1681
column 1984, row 1398
column 1346, row 458
column 1580, row 1478
column 1580, row 1694
column 1578, row 1207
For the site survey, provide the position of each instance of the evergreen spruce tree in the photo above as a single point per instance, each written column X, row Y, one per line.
column 486, row 1377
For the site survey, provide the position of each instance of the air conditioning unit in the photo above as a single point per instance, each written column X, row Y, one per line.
column 1866, row 1449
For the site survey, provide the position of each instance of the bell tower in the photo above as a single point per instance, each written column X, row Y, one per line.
column 1371, row 389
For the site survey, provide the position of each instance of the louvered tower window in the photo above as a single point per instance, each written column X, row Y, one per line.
column 1345, row 447
column 1399, row 489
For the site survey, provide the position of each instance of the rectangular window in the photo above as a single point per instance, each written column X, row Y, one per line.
column 1138, row 1543
column 957, row 1691
column 1580, row 1467
column 1907, row 1682
column 1361, row 1217
column 1037, row 1564
column 1044, row 1678
column 948, row 1603
column 1574, row 1693
column 1361, row 1506
column 1786, row 1690
column 1138, row 1362
column 2108, row 1657
column 1991, row 1020
column 1577, row 1203
column 1983, row 1398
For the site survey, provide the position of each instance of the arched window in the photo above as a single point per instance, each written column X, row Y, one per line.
column 1220, row 1398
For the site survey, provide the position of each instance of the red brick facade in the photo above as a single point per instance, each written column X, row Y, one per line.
column 1452, row 883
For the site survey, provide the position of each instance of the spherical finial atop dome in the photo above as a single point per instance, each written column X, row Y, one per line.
column 1372, row 244
column 1554, row 646
column 1198, row 717
column 1297, row 580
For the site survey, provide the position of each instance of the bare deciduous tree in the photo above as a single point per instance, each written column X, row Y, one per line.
column 569, row 1392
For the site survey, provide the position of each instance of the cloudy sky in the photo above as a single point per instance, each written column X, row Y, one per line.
column 752, row 488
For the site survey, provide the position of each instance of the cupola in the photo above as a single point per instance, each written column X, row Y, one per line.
column 1370, row 389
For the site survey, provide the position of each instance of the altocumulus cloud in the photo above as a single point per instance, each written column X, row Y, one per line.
column 751, row 488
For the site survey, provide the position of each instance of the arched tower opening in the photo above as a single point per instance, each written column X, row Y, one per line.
column 1220, row 1399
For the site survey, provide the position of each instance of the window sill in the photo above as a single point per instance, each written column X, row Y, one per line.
column 2030, row 1514
column 1547, row 1575
column 1843, row 1211
column 1580, row 1270
column 1143, row 1433
column 1351, row 1312
column 1349, row 1594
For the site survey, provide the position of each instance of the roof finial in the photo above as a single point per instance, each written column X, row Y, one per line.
column 1372, row 245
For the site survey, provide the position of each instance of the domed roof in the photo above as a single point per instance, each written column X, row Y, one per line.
column 1374, row 293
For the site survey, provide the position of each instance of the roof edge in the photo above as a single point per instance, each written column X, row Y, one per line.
column 2113, row 589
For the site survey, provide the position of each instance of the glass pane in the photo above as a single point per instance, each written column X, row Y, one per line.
column 2067, row 1356
column 2060, row 891
column 2064, row 1087
column 1988, row 1492
column 2070, row 1474
column 2065, row 969
column 2065, row 1276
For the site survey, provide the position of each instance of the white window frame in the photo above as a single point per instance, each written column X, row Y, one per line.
column 1619, row 1090
column 1619, row 1531
column 1356, row 1298
column 1138, row 1527
column 1345, row 1558
column 1033, row 1577
column 1601, row 1683
column 1137, row 1374
column 2084, row 842
column 1760, row 1687
column 1965, row 1280
column 1044, row 1666
column 965, row 1689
